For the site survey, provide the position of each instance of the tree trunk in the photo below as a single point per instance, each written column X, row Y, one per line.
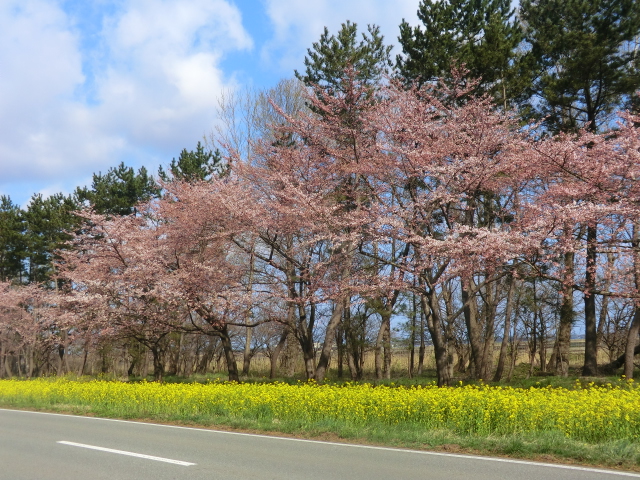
column 506, row 332
column 533, row 337
column 631, row 347
column 489, row 344
column 604, row 304
column 246, row 357
column 473, row 329
column 341, row 351
column 355, row 353
column 619, row 362
column 145, row 365
column 84, row 361
column 309, row 357
column 7, row 366
column 378, row 350
column 590, row 367
column 158, row 363
column 543, row 345
column 290, row 357
column 489, row 332
column 566, row 321
column 412, row 336
column 329, row 339
column 232, row 366
column 63, row 365
column 60, row 368
column 353, row 368
column 386, row 343
column 31, row 359
column 340, row 336
column 19, row 363
column 434, row 324
column 174, row 365
column 207, row 356
column 354, row 343
column 551, row 364
column 304, row 334
column 276, row 352
column 422, row 349
column 383, row 347
column 514, row 349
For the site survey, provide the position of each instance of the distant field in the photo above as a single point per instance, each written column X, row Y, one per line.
column 260, row 364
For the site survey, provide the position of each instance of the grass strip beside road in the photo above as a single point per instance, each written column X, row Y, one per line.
column 596, row 425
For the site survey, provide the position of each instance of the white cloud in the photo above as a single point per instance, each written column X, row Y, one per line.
column 299, row 23
column 163, row 80
column 137, row 80
column 180, row 26
column 155, row 77
column 41, row 68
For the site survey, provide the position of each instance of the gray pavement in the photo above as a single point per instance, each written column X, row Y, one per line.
column 30, row 450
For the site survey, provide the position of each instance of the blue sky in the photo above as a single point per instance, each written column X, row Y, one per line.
column 87, row 84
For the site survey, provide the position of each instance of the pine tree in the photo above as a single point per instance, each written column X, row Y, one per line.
column 328, row 58
column 119, row 190
column 482, row 35
column 195, row 166
column 581, row 51
column 11, row 240
column 48, row 223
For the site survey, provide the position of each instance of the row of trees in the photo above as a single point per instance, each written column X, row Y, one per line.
column 425, row 192
column 367, row 195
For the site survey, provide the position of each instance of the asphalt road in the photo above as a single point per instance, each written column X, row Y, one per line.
column 35, row 446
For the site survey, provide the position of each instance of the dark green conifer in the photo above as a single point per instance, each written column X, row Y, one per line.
column 192, row 166
column 585, row 55
column 119, row 190
column 12, row 244
column 482, row 35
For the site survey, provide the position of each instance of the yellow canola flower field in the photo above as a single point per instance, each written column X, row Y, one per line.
column 590, row 413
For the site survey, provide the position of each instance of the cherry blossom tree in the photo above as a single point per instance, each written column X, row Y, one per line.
column 115, row 269
column 207, row 272
column 450, row 179
column 310, row 212
column 30, row 327
column 426, row 190
column 588, row 204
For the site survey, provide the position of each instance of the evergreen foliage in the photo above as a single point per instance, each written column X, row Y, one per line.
column 328, row 58
column 12, row 246
column 48, row 223
column 119, row 190
column 584, row 58
column 482, row 35
column 193, row 166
